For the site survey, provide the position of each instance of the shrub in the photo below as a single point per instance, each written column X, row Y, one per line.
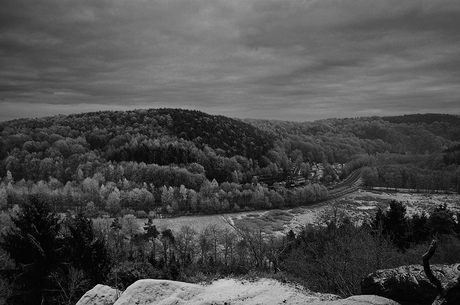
column 128, row 272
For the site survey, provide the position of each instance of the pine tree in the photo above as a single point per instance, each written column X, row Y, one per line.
column 87, row 251
column 393, row 223
column 34, row 243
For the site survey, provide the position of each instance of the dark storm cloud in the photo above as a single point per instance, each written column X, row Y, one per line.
column 280, row 59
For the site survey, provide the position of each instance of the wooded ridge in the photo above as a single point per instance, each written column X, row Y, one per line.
column 167, row 159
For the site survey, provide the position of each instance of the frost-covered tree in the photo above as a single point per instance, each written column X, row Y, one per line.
column 113, row 202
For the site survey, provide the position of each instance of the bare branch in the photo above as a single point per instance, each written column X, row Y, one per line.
column 426, row 267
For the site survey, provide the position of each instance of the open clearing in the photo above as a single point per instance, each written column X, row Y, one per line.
column 359, row 206
column 362, row 205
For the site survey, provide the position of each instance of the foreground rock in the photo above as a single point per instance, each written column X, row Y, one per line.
column 223, row 292
column 101, row 295
column 409, row 284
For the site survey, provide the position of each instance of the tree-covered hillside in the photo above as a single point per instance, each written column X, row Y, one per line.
column 160, row 136
column 341, row 139
column 443, row 125
column 167, row 157
column 59, row 145
column 411, row 151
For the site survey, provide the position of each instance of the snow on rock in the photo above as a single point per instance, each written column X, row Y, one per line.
column 230, row 292
column 263, row 291
column 159, row 292
column 363, row 300
column 99, row 295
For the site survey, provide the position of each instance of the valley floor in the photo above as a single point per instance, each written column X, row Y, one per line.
column 360, row 205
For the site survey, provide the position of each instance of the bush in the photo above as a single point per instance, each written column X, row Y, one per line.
column 141, row 214
column 333, row 258
column 128, row 272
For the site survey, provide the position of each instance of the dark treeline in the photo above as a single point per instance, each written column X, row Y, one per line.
column 410, row 177
column 47, row 258
column 54, row 259
column 416, row 172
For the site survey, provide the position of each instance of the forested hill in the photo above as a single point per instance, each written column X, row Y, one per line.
column 428, row 118
column 444, row 125
column 197, row 145
column 154, row 136
column 341, row 139
column 108, row 129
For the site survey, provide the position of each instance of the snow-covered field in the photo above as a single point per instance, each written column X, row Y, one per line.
column 362, row 205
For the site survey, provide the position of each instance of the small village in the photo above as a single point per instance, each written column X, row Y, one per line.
column 295, row 177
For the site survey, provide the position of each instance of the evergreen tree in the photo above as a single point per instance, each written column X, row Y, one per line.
column 442, row 221
column 34, row 243
column 151, row 234
column 419, row 228
column 87, row 252
column 393, row 223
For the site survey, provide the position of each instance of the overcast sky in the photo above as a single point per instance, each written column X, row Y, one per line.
column 274, row 59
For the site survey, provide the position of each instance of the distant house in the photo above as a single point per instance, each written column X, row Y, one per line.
column 338, row 167
column 269, row 180
column 320, row 173
column 214, row 183
column 318, row 170
column 295, row 178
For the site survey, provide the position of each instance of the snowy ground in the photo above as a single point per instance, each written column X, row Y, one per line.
column 362, row 205
column 220, row 292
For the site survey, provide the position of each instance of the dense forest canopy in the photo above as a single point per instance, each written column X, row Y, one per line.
column 168, row 157
column 444, row 125
column 343, row 138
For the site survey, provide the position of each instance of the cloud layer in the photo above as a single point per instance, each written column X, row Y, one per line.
column 293, row 60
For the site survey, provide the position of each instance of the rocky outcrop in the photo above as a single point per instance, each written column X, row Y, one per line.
column 159, row 292
column 362, row 300
column 221, row 292
column 99, row 295
column 409, row 284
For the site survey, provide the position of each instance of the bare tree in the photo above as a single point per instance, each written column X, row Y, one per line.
column 229, row 243
column 167, row 239
column 69, row 286
column 448, row 294
column 185, row 244
column 214, row 234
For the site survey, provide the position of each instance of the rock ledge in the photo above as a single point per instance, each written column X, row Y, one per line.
column 220, row 292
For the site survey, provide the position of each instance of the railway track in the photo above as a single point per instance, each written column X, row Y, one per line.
column 353, row 182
